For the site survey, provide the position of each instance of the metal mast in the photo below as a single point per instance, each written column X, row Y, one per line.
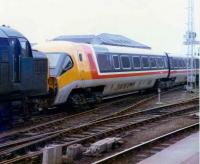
column 190, row 43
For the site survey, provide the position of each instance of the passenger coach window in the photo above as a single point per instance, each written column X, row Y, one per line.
column 126, row 64
column 153, row 62
column 136, row 62
column 104, row 62
column 145, row 62
column 174, row 63
column 161, row 63
column 182, row 63
column 116, row 61
column 197, row 63
column 165, row 62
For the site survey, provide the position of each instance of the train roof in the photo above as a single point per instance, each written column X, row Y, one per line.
column 125, row 50
column 6, row 32
column 103, row 39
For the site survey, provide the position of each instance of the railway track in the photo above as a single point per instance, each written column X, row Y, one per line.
column 109, row 109
column 76, row 119
column 144, row 150
column 93, row 130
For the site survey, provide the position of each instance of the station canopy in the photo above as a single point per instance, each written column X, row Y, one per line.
column 103, row 39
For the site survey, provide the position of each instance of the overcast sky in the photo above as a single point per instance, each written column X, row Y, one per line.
column 157, row 23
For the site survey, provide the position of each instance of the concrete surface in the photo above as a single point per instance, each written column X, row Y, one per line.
column 185, row 151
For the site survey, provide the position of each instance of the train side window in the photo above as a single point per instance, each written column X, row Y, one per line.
column 178, row 63
column 165, row 62
column 115, row 60
column 25, row 47
column 104, row 62
column 197, row 63
column 126, row 64
column 153, row 63
column 80, row 57
column 171, row 62
column 136, row 62
column 185, row 63
column 174, row 63
column 161, row 62
column 182, row 63
column 145, row 62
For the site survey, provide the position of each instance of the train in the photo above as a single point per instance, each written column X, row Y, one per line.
column 23, row 76
column 81, row 71
column 84, row 72
column 23, row 71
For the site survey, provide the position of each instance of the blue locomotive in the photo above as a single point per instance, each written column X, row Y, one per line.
column 23, row 72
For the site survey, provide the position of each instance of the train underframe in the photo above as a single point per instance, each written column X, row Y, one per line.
column 83, row 98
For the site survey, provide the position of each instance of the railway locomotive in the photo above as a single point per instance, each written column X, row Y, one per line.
column 83, row 71
column 23, row 73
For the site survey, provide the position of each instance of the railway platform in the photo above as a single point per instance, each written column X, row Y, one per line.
column 185, row 151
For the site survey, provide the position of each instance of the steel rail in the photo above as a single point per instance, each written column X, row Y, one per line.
column 141, row 146
column 108, row 131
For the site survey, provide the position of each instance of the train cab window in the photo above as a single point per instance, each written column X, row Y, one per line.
column 25, row 47
column 104, row 62
column 153, row 63
column 115, row 60
column 161, row 63
column 59, row 63
column 145, row 62
column 136, row 62
column 126, row 64
column 67, row 63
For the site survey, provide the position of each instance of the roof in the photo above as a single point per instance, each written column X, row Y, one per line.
column 76, row 38
column 9, row 32
column 103, row 39
column 125, row 50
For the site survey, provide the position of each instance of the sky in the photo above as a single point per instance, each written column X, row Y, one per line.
column 160, row 24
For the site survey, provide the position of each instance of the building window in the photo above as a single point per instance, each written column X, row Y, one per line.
column 136, row 62
column 126, row 64
column 116, row 61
